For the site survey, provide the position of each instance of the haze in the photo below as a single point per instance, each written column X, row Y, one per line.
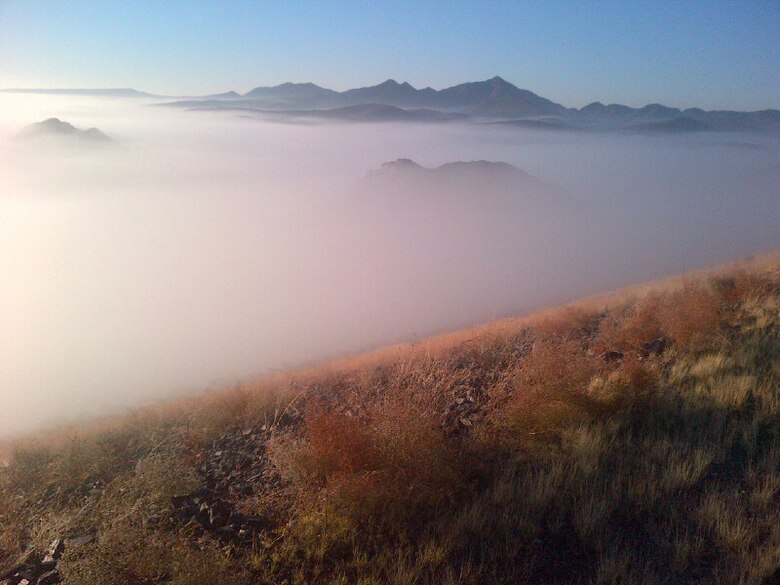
column 201, row 249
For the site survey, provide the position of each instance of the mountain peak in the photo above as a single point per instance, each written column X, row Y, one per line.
column 456, row 168
column 291, row 90
column 54, row 127
column 392, row 83
column 227, row 94
column 656, row 107
column 593, row 106
column 401, row 164
column 57, row 125
column 500, row 82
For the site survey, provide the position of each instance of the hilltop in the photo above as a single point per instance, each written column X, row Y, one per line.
column 452, row 175
column 630, row 438
column 466, row 181
column 56, row 128
column 476, row 188
column 485, row 167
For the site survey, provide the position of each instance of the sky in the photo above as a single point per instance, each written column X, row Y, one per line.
column 716, row 54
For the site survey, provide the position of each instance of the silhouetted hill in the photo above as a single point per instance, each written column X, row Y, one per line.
column 660, row 118
column 226, row 95
column 471, row 183
column 391, row 92
column 482, row 168
column 497, row 98
column 728, row 120
column 597, row 109
column 56, row 128
column 301, row 94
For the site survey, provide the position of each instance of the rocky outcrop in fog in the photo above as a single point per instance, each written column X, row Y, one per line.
column 56, row 128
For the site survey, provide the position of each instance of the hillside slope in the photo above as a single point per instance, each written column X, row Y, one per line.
column 632, row 441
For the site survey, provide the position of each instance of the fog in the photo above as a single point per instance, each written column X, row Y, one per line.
column 202, row 249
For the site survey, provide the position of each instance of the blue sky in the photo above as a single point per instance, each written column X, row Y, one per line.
column 708, row 53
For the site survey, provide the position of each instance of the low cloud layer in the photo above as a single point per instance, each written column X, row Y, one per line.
column 200, row 249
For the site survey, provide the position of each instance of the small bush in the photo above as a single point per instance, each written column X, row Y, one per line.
column 628, row 329
column 689, row 314
column 394, row 469
column 337, row 445
column 551, row 390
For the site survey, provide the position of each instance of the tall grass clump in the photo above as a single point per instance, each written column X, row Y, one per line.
column 394, row 470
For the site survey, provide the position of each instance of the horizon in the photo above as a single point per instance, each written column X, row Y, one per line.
column 625, row 53
column 152, row 94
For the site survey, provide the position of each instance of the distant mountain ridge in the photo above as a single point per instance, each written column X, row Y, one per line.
column 492, row 98
column 495, row 100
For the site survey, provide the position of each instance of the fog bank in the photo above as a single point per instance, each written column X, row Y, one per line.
column 199, row 249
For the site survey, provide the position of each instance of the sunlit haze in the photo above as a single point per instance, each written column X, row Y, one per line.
column 191, row 246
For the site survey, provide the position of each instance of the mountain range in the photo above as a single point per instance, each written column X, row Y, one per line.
column 494, row 101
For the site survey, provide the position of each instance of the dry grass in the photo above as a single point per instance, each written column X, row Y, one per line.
column 563, row 322
column 690, row 313
column 551, row 392
column 519, row 453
